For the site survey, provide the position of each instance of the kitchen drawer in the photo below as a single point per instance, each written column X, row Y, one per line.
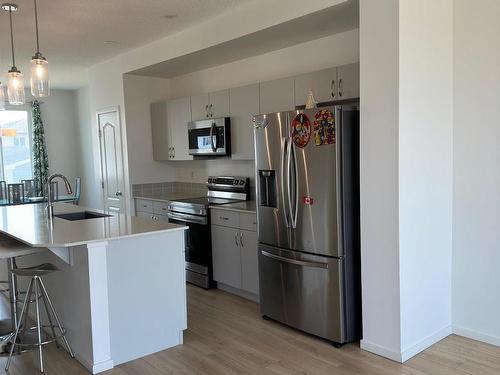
column 143, row 205
column 160, row 208
column 225, row 218
column 248, row 221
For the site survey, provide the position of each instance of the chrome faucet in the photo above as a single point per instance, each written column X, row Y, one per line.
column 50, row 203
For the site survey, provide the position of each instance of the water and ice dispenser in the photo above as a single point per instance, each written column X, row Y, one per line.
column 267, row 184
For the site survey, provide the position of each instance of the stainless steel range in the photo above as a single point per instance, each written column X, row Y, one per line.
column 195, row 213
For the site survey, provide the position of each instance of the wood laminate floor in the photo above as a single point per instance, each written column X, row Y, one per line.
column 227, row 336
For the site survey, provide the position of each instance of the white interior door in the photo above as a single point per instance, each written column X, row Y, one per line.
column 111, row 159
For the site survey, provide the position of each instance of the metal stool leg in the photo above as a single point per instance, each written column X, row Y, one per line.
column 38, row 323
column 44, row 290
column 49, row 316
column 24, row 322
column 26, row 301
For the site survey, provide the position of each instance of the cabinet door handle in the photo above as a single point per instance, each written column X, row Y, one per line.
column 173, row 155
column 206, row 111
column 211, row 112
column 340, row 87
column 332, row 87
column 241, row 240
column 236, row 239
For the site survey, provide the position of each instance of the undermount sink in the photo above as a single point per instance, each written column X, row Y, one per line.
column 83, row 215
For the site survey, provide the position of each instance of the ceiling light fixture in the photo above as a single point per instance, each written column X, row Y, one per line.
column 15, row 86
column 40, row 86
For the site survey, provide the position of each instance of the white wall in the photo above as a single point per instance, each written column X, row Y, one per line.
column 425, row 171
column 379, row 66
column 337, row 49
column 86, row 155
column 61, row 137
column 476, row 200
column 406, row 174
column 139, row 93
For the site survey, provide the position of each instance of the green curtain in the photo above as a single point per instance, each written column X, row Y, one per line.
column 40, row 160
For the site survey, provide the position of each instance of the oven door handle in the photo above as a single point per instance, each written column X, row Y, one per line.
column 188, row 218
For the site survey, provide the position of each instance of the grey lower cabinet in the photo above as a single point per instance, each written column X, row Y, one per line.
column 149, row 209
column 234, row 250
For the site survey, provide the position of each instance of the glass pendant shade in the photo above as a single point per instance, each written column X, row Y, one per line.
column 15, row 87
column 39, row 80
column 2, row 96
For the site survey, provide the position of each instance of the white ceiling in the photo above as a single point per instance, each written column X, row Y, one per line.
column 73, row 32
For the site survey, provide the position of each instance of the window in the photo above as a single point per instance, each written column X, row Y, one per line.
column 15, row 146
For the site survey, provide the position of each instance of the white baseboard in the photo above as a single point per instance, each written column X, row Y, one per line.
column 238, row 292
column 382, row 351
column 476, row 335
column 410, row 351
column 94, row 368
column 427, row 342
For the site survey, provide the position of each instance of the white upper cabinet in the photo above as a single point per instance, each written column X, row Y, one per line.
column 218, row 103
column 159, row 131
column 215, row 104
column 243, row 106
column 322, row 84
column 178, row 116
column 348, row 81
column 328, row 85
column 277, row 95
column 199, row 107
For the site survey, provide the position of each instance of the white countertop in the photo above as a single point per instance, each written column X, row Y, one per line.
column 29, row 224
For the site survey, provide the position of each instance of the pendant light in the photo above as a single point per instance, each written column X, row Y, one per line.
column 2, row 96
column 40, row 86
column 15, row 86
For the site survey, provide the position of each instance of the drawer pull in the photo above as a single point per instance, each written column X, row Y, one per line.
column 223, row 218
column 163, row 209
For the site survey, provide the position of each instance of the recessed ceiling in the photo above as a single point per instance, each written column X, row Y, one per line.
column 77, row 34
column 333, row 20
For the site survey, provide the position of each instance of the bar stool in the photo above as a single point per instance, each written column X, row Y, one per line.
column 37, row 286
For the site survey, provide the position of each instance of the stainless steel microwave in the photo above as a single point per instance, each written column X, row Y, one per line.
column 211, row 137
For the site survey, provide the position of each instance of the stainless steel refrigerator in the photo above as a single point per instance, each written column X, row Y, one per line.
column 307, row 180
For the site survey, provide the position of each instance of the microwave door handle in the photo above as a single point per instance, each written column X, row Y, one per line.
column 214, row 145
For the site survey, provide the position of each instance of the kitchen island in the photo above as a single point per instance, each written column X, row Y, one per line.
column 121, row 291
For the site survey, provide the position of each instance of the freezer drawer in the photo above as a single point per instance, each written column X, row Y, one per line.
column 303, row 291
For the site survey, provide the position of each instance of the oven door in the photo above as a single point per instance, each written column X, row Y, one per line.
column 209, row 137
column 198, row 246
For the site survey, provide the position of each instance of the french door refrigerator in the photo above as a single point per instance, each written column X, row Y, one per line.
column 307, row 180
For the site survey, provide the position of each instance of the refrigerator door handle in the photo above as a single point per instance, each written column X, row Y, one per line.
column 294, row 208
column 294, row 261
column 288, row 181
column 284, row 150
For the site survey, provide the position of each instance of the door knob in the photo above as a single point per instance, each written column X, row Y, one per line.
column 118, row 193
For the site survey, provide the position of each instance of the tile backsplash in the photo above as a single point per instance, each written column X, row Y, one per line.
column 161, row 188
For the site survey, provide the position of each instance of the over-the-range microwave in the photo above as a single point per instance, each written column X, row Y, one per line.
column 210, row 137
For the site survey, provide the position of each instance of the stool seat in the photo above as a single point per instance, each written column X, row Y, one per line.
column 39, row 270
